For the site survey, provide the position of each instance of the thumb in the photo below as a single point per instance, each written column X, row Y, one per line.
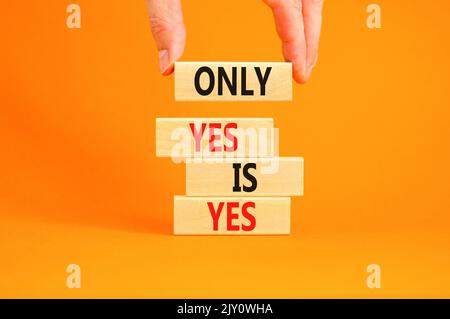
column 166, row 20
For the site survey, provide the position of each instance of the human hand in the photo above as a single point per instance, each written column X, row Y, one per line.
column 298, row 24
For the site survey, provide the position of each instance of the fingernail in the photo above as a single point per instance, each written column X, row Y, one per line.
column 304, row 73
column 311, row 67
column 163, row 60
column 309, row 71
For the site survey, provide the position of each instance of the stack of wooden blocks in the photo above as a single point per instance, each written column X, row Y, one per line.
column 236, row 184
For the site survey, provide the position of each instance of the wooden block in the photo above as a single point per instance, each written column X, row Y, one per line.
column 231, row 215
column 215, row 137
column 233, row 81
column 279, row 176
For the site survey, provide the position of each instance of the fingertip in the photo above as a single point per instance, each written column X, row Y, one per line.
column 299, row 72
column 164, row 61
column 300, row 78
column 311, row 66
column 295, row 52
column 168, row 57
column 169, row 70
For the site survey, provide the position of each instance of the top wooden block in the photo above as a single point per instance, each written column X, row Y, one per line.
column 233, row 81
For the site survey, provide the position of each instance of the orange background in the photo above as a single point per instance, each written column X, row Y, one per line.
column 80, row 182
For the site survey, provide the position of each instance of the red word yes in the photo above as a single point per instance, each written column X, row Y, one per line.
column 231, row 216
column 214, row 132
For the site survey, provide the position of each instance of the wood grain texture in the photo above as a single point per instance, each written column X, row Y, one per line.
column 192, row 216
column 280, row 176
column 277, row 87
column 174, row 137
